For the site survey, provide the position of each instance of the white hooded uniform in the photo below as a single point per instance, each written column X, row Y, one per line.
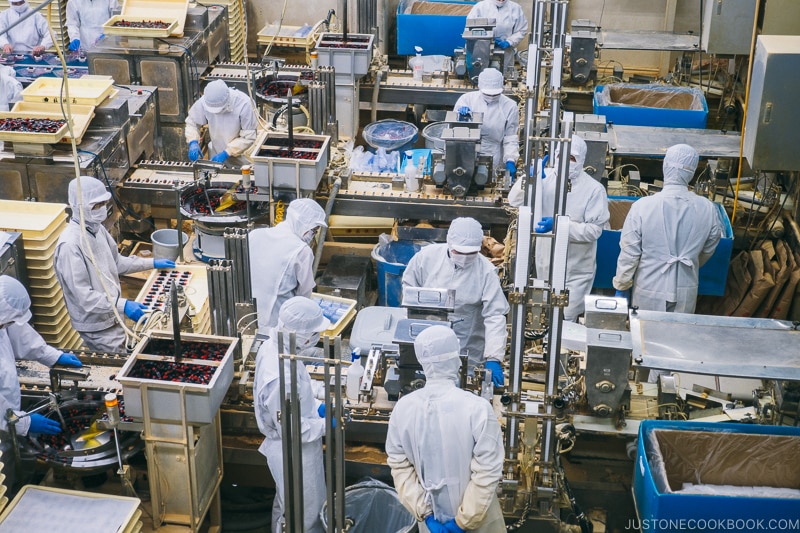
column 89, row 307
column 232, row 123
column 500, row 128
column 281, row 262
column 85, row 19
column 511, row 24
column 304, row 317
column 24, row 37
column 666, row 238
column 444, row 444
column 480, row 306
column 587, row 208
column 18, row 340
column 10, row 88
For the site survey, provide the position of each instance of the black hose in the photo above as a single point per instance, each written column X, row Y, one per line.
column 583, row 521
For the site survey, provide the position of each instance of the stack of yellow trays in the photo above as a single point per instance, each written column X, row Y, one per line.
column 236, row 23
column 41, row 225
column 196, row 292
column 57, row 16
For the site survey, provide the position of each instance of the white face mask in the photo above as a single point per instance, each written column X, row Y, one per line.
column 462, row 261
column 22, row 8
column 309, row 236
column 499, row 3
column 574, row 170
column 304, row 342
column 97, row 216
column 490, row 98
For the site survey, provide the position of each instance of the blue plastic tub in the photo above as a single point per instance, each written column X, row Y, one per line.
column 716, row 454
column 713, row 274
column 391, row 260
column 653, row 116
column 435, row 34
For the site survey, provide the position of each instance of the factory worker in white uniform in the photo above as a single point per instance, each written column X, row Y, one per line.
column 444, row 446
column 18, row 340
column 665, row 240
column 231, row 120
column 511, row 28
column 281, row 260
column 480, row 306
column 500, row 128
column 91, row 294
column 10, row 88
column 29, row 37
column 587, row 208
column 85, row 19
column 303, row 317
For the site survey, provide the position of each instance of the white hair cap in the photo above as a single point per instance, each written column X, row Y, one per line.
column 92, row 192
column 465, row 235
column 490, row 81
column 302, row 315
column 15, row 303
column 437, row 349
column 680, row 163
column 304, row 214
column 216, row 96
column 578, row 149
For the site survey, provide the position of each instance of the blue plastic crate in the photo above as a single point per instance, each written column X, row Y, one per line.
column 435, row 34
column 653, row 116
column 661, row 511
column 713, row 274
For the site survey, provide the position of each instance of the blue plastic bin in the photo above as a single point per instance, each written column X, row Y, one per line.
column 713, row 275
column 662, row 511
column 653, row 116
column 392, row 259
column 435, row 34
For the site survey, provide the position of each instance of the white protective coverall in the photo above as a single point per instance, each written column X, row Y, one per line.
column 89, row 307
column 587, row 208
column 480, row 306
column 26, row 36
column 666, row 238
column 512, row 26
column 304, row 317
column 10, row 88
column 444, row 444
column 281, row 261
column 17, row 339
column 232, row 123
column 85, row 19
column 500, row 128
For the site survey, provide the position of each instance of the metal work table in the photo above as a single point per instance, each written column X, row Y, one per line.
column 648, row 40
column 646, row 141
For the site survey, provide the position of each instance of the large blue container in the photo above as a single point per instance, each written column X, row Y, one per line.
column 653, row 116
column 435, row 34
column 391, row 260
column 713, row 274
column 661, row 511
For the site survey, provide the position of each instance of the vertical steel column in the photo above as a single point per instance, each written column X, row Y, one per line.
column 222, row 298
column 318, row 100
column 327, row 75
column 237, row 251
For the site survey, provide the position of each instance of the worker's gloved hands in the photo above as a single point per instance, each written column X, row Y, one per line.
column 497, row 372
column 42, row 424
column 501, row 44
column 545, row 159
column 512, row 168
column 434, row 526
column 451, row 527
column 164, row 263
column 321, row 413
column 7, row 49
column 464, row 112
column 37, row 50
column 545, row 225
column 74, row 45
column 194, row 151
column 220, row 157
column 624, row 294
column 134, row 310
column 67, row 359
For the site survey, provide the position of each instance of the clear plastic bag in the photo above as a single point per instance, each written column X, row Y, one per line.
column 374, row 507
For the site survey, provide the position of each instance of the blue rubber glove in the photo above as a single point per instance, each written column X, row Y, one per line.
column 623, row 294
column 67, row 359
column 497, row 372
column 220, row 157
column 75, row 45
column 544, row 163
column 464, row 111
column 321, row 413
column 163, row 263
column 545, row 225
column 512, row 168
column 194, row 151
column 501, row 44
column 134, row 310
column 42, row 424
column 451, row 527
column 434, row 526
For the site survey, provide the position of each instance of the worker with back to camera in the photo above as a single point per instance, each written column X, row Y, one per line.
column 281, row 260
column 18, row 340
column 587, row 208
column 10, row 87
column 511, row 24
column 303, row 317
column 85, row 19
column 232, row 124
column 500, row 128
column 30, row 36
column 88, row 267
column 480, row 306
column 444, row 446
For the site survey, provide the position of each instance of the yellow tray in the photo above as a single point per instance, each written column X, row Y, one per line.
column 30, row 137
column 35, row 220
column 82, row 115
column 267, row 36
column 88, row 90
column 346, row 317
column 165, row 10
column 110, row 29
